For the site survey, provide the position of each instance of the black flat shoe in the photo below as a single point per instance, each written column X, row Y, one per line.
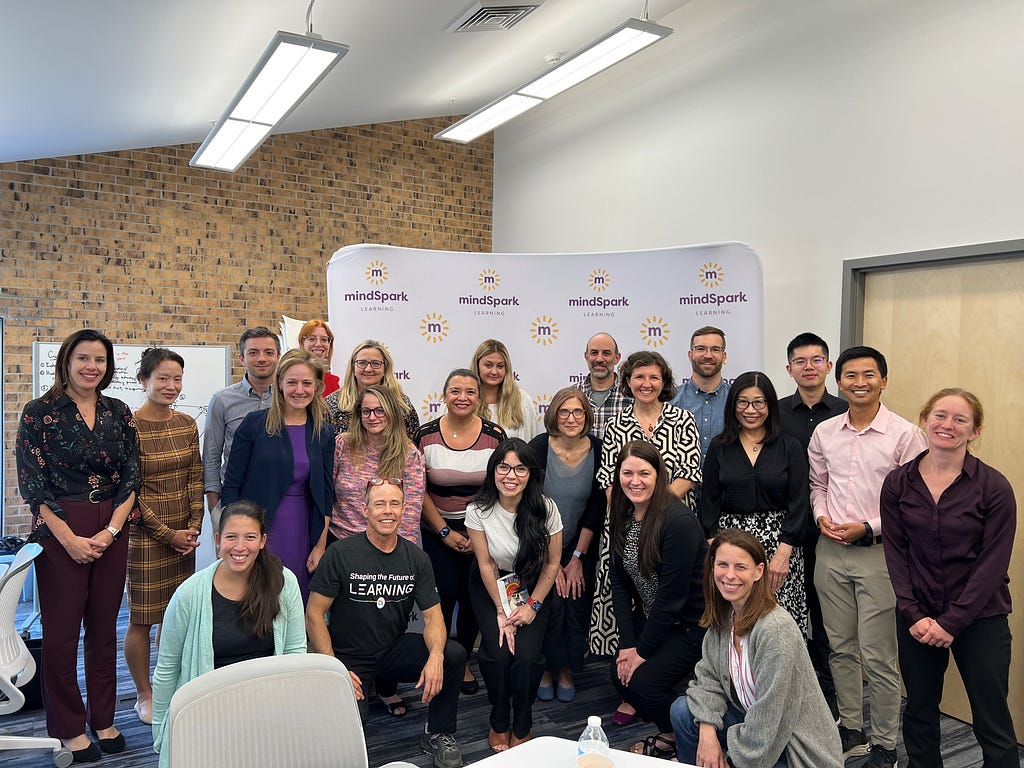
column 111, row 746
column 88, row 754
column 469, row 687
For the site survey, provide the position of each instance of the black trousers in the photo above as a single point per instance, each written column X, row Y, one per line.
column 651, row 690
column 565, row 643
column 817, row 644
column 982, row 653
column 451, row 575
column 512, row 679
column 404, row 663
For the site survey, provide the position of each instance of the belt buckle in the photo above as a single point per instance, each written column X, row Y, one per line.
column 94, row 500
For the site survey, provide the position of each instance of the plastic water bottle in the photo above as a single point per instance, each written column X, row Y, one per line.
column 593, row 738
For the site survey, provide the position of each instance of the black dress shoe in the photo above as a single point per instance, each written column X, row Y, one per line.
column 88, row 754
column 469, row 687
column 111, row 746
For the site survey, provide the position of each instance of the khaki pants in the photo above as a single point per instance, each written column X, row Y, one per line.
column 859, row 610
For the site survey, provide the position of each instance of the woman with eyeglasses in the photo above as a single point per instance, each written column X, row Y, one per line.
column 375, row 446
column 502, row 400
column 570, row 458
column 755, row 479
column 315, row 336
column 456, row 449
column 515, row 529
column 370, row 365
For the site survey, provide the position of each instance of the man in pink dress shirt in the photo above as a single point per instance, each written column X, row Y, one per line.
column 850, row 455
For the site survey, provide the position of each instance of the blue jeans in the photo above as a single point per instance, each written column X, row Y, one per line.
column 688, row 732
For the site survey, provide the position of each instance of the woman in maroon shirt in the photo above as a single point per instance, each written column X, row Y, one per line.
column 948, row 522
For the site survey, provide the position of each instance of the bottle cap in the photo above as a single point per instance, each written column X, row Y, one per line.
column 594, row 721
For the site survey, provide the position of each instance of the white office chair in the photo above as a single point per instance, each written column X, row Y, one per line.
column 16, row 663
column 296, row 709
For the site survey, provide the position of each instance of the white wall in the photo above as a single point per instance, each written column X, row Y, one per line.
column 814, row 130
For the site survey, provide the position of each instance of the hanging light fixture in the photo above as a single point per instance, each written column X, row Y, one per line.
column 288, row 70
column 621, row 43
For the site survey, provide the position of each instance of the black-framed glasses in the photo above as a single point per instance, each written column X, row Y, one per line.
column 758, row 404
column 375, row 482
column 520, row 470
column 366, row 413
column 565, row 413
column 362, row 365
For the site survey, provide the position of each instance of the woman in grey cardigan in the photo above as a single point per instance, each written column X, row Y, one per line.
column 755, row 698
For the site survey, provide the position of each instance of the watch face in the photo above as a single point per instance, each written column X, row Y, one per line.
column 535, row 604
column 444, row 531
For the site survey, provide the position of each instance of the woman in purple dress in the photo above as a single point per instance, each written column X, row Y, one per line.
column 283, row 459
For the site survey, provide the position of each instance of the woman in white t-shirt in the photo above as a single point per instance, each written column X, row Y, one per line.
column 514, row 529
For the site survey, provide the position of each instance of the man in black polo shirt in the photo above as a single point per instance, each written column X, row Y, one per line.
column 811, row 404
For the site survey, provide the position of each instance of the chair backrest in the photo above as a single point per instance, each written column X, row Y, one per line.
column 15, row 658
column 295, row 709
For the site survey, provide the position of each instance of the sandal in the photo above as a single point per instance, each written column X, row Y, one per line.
column 655, row 745
column 395, row 708
column 499, row 742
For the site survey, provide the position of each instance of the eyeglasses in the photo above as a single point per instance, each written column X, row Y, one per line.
column 375, row 482
column 368, row 412
column 520, row 470
column 758, row 405
column 802, row 362
column 577, row 413
column 701, row 349
column 362, row 365
column 318, row 339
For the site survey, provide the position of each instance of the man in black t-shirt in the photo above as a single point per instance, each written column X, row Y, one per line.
column 368, row 583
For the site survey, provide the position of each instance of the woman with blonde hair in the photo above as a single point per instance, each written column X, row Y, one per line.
column 283, row 459
column 502, row 401
column 370, row 364
column 315, row 336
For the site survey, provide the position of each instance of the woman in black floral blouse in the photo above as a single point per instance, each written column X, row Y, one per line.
column 78, row 468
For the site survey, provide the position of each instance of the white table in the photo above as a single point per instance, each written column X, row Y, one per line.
column 552, row 752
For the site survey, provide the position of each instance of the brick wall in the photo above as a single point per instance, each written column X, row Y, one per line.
column 150, row 251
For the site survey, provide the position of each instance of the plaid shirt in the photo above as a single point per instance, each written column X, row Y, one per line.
column 609, row 409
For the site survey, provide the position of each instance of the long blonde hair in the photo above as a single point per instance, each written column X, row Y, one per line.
column 396, row 442
column 510, row 404
column 349, row 389
column 317, row 410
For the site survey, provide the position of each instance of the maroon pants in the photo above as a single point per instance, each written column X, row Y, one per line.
column 71, row 595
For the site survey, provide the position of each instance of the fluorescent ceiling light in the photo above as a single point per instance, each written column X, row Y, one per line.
column 289, row 69
column 622, row 42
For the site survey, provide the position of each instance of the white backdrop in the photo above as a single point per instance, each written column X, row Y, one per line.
column 432, row 308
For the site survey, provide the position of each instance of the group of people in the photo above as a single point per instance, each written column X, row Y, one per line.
column 665, row 526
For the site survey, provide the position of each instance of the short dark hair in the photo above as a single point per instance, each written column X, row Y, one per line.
column 708, row 330
column 853, row 353
column 258, row 332
column 61, row 373
column 806, row 339
column 639, row 360
column 773, row 422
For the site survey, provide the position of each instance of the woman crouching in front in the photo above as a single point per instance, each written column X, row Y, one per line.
column 755, row 692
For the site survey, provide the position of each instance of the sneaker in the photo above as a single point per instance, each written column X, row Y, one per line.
column 879, row 757
column 854, row 742
column 444, row 750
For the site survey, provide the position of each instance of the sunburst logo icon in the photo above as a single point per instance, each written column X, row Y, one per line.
column 376, row 273
column 432, row 406
column 544, row 330
column 711, row 274
column 434, row 327
column 654, row 331
column 599, row 280
column 489, row 280
column 541, row 403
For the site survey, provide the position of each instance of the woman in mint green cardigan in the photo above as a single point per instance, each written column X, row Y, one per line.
column 245, row 605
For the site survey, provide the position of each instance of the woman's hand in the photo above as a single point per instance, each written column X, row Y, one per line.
column 709, row 750
column 626, row 664
column 83, row 550
column 314, row 557
column 574, row 579
column 937, row 636
column 184, row 541
column 920, row 628
column 778, row 567
column 506, row 631
column 458, row 542
column 560, row 584
column 522, row 616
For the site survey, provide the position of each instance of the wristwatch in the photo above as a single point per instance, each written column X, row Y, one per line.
column 577, row 554
column 444, row 532
column 115, row 532
column 535, row 604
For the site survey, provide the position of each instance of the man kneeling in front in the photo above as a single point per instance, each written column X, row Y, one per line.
column 368, row 583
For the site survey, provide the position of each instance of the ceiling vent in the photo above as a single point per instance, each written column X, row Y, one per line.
column 493, row 15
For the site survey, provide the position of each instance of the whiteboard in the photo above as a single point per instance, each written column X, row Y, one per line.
column 207, row 369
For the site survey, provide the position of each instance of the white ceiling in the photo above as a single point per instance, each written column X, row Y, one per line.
column 83, row 76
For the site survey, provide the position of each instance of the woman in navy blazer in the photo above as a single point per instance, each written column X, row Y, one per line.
column 283, row 459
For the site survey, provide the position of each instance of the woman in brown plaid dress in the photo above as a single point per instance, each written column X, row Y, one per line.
column 161, row 549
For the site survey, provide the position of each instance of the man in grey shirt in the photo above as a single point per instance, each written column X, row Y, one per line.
column 258, row 349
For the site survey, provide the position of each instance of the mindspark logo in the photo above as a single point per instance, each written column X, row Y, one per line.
column 711, row 274
column 434, row 328
column 654, row 331
column 489, row 280
column 541, row 404
column 599, row 281
column 544, row 330
column 432, row 405
column 376, row 273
